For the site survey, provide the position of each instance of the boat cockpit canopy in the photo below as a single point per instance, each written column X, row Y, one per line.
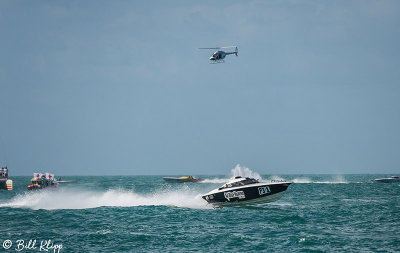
column 237, row 183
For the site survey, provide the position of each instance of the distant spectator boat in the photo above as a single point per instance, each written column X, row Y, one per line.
column 5, row 182
column 392, row 179
column 42, row 181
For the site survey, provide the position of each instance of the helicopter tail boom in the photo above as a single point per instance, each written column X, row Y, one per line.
column 235, row 52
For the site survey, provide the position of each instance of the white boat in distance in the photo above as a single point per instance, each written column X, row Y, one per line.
column 392, row 179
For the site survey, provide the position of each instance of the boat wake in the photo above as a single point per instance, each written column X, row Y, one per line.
column 214, row 180
column 338, row 179
column 237, row 171
column 84, row 199
column 246, row 172
column 335, row 180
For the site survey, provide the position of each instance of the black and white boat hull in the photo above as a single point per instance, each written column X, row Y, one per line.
column 252, row 194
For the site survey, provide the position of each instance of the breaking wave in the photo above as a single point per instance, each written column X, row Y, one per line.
column 84, row 199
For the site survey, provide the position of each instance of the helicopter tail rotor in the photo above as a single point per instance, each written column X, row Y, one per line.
column 236, row 51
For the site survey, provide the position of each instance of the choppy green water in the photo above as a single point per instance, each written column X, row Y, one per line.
column 320, row 213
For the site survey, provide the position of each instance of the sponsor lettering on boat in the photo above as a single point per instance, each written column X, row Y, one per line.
column 234, row 194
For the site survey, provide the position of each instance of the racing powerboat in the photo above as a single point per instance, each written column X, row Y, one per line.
column 392, row 179
column 182, row 179
column 245, row 190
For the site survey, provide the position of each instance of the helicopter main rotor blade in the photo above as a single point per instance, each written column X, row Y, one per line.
column 217, row 47
column 228, row 47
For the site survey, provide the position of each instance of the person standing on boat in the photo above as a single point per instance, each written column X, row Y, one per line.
column 4, row 172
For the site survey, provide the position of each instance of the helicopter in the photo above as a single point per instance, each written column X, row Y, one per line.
column 219, row 56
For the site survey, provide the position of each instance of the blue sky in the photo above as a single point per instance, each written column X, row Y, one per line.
column 119, row 87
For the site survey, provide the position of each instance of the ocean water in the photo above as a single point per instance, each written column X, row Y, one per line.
column 318, row 213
